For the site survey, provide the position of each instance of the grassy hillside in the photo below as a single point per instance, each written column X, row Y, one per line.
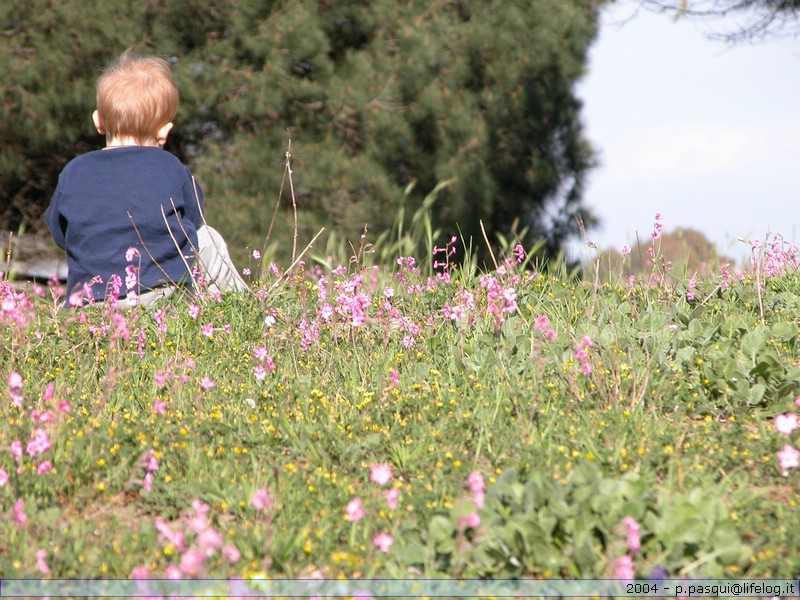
column 417, row 419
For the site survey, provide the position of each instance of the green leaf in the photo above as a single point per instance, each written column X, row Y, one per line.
column 783, row 331
column 441, row 532
column 755, row 395
column 752, row 343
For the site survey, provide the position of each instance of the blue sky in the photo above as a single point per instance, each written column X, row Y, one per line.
column 703, row 132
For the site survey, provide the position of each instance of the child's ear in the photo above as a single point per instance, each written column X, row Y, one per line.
column 98, row 123
column 162, row 134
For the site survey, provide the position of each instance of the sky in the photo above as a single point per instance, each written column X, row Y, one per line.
column 703, row 132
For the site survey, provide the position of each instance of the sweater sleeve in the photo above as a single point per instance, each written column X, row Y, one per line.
column 193, row 200
column 56, row 222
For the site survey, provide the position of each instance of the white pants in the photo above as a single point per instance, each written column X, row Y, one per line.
column 215, row 264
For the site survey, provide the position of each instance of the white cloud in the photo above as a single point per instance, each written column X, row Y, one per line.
column 656, row 153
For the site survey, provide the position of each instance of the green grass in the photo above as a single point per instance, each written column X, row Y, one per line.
column 665, row 417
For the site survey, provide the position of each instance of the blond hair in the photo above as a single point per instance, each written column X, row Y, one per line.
column 136, row 96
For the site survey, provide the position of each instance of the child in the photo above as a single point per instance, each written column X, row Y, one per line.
column 130, row 215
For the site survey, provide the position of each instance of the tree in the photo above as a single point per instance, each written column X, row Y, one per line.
column 757, row 18
column 52, row 52
column 373, row 94
column 688, row 252
column 378, row 94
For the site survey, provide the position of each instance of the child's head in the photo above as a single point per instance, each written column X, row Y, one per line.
column 136, row 97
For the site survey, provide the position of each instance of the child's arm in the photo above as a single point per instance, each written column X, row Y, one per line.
column 194, row 202
column 55, row 222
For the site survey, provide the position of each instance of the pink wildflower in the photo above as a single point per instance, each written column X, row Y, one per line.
column 161, row 378
column 41, row 562
column 788, row 458
column 383, row 541
column 634, row 540
column 380, row 473
column 198, row 522
column 476, row 482
column 140, row 572
column 623, row 569
column 261, row 499
column 472, row 520
column 176, row 538
column 658, row 227
column 787, row 423
column 20, row 518
column 454, row 313
column 207, row 383
column 159, row 407
column 626, row 250
column 477, row 487
column 151, row 463
column 17, row 399
column 39, row 442
column 44, row 417
column 15, row 380
column 3, row 477
column 76, row 299
column 510, row 297
column 16, row 450
column 192, row 562
column 174, row 572
column 691, row 285
column 209, row 540
column 121, row 325
column 541, row 323
column 355, row 510
column 160, row 317
column 131, row 282
column 194, row 311
column 231, row 553
column 260, row 372
column 208, row 330
column 200, row 507
column 44, row 467
column 392, row 495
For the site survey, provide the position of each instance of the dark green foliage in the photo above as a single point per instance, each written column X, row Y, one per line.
column 372, row 94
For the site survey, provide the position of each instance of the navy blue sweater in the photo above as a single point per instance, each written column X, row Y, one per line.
column 101, row 195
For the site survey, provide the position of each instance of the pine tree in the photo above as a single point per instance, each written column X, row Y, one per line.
column 372, row 94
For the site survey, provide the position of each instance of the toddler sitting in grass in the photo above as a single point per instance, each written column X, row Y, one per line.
column 130, row 215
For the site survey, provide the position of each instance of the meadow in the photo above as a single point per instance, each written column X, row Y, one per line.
column 384, row 415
